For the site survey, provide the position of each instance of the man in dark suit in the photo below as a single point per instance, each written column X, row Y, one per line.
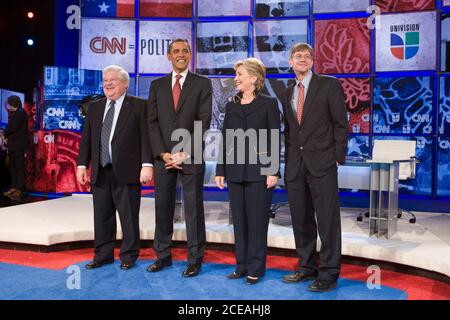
column 16, row 142
column 176, row 102
column 316, row 136
column 115, row 143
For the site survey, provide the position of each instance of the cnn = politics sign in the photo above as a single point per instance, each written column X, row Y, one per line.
column 154, row 40
column 107, row 42
column 406, row 42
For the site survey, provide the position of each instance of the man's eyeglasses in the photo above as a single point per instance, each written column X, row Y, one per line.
column 302, row 57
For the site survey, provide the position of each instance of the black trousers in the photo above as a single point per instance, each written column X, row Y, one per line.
column 17, row 167
column 250, row 204
column 109, row 195
column 306, row 195
column 5, row 174
column 165, row 190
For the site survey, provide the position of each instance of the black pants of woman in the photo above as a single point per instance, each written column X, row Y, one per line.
column 250, row 204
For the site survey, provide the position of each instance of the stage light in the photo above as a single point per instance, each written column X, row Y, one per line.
column 30, row 15
column 30, row 42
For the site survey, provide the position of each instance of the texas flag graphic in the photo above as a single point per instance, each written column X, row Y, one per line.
column 108, row 8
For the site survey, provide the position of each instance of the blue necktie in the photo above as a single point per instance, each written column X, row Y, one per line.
column 105, row 157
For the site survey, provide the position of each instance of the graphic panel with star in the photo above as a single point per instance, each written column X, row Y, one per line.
column 108, row 8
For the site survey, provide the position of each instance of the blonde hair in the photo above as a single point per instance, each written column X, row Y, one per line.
column 255, row 68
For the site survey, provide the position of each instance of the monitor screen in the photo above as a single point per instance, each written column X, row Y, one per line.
column 220, row 45
column 406, row 41
column 341, row 46
column 286, row 8
column 403, row 105
column 273, row 40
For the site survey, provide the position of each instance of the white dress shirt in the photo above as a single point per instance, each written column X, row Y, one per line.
column 182, row 79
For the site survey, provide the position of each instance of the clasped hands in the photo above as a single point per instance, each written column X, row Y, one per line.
column 175, row 160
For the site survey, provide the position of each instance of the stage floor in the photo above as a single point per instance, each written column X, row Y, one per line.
column 424, row 245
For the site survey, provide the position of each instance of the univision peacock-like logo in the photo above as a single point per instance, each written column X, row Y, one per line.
column 405, row 41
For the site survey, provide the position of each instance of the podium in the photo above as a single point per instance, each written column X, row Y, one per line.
column 391, row 161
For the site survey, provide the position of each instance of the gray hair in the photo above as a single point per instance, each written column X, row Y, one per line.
column 121, row 71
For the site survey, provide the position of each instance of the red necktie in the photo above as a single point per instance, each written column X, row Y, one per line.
column 176, row 91
column 300, row 102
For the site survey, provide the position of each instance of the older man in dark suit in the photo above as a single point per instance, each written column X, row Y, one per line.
column 176, row 102
column 115, row 143
column 316, row 129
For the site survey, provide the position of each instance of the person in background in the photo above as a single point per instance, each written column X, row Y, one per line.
column 249, row 186
column 5, row 178
column 16, row 142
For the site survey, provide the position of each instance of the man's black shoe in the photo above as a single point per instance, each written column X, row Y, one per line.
column 192, row 270
column 96, row 264
column 236, row 275
column 126, row 266
column 158, row 265
column 322, row 285
column 298, row 277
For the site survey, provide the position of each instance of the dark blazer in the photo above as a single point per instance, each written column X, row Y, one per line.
column 130, row 143
column 17, row 131
column 195, row 104
column 262, row 113
column 321, row 137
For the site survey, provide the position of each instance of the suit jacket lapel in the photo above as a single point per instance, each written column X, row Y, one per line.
column 168, row 91
column 290, row 111
column 125, row 112
column 312, row 90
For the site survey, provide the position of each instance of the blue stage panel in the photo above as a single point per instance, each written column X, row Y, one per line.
column 403, row 105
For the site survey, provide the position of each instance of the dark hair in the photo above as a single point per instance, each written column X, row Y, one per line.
column 14, row 101
column 179, row 40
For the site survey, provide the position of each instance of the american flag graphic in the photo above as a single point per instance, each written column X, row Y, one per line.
column 107, row 8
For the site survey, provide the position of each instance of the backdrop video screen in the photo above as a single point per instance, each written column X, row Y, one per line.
column 444, row 106
column 220, row 45
column 283, row 8
column 357, row 99
column 403, row 105
column 341, row 46
column 165, row 8
column 333, row 6
column 273, row 40
column 154, row 40
column 406, row 42
column 358, row 147
column 220, row 8
column 63, row 89
column 108, row 8
column 443, row 167
column 405, row 5
column 445, row 43
column 107, row 41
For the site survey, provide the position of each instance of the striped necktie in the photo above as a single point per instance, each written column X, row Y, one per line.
column 105, row 157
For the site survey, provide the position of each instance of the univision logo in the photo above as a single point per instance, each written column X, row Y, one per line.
column 405, row 45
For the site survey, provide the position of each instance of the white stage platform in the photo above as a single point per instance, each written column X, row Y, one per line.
column 425, row 244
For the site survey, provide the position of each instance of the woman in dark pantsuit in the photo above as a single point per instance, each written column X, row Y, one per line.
column 249, row 161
